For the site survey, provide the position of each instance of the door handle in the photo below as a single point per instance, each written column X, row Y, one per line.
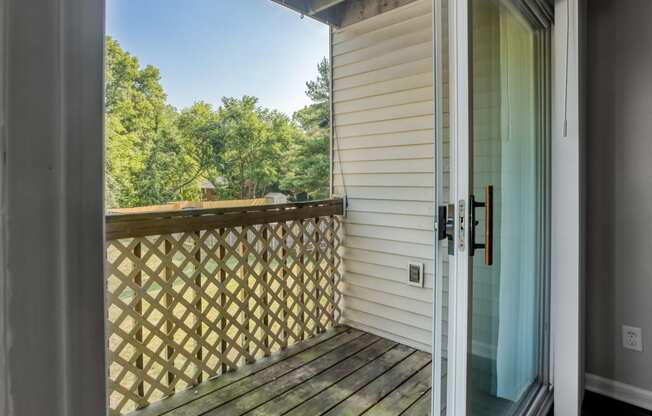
column 488, row 205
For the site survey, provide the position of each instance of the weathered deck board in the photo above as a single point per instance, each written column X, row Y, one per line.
column 331, row 397
column 342, row 372
column 282, row 384
column 375, row 391
column 421, row 406
column 237, row 389
column 287, row 401
column 405, row 395
column 185, row 397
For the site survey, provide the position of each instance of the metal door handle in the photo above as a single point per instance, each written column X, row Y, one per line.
column 488, row 205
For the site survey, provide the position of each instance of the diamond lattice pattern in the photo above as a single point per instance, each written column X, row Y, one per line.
column 186, row 307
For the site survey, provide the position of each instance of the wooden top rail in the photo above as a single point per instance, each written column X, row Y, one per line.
column 169, row 222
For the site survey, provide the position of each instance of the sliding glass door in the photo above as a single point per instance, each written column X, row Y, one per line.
column 497, row 354
column 507, row 167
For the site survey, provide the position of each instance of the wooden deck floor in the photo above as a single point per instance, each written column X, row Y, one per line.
column 342, row 372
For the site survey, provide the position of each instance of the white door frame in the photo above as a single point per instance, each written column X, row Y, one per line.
column 437, row 291
column 458, row 288
column 567, row 209
column 566, row 214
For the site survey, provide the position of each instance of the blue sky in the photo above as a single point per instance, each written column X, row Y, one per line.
column 207, row 49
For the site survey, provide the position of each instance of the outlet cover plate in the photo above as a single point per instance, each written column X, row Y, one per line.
column 415, row 274
column 632, row 338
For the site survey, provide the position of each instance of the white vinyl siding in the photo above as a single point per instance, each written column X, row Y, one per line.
column 383, row 128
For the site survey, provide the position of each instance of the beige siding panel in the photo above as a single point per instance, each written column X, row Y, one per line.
column 348, row 54
column 394, row 260
column 392, row 193
column 387, row 126
column 412, row 53
column 416, row 335
column 406, row 249
column 395, row 152
column 383, row 128
column 393, row 300
column 385, row 179
column 392, row 287
column 415, row 222
column 390, row 207
column 389, row 335
column 413, row 95
column 386, row 166
column 383, row 309
column 384, row 74
column 405, row 138
column 382, row 21
column 386, row 36
column 375, row 89
column 415, row 109
column 361, row 262
column 392, row 233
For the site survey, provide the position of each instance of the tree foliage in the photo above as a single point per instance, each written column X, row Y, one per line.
column 146, row 156
column 309, row 171
column 156, row 154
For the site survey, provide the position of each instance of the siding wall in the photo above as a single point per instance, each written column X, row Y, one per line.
column 383, row 128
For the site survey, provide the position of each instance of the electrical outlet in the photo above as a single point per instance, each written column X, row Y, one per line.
column 632, row 338
column 415, row 274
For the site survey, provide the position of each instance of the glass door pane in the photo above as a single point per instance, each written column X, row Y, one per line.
column 504, row 320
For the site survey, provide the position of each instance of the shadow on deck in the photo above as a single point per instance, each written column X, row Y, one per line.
column 341, row 372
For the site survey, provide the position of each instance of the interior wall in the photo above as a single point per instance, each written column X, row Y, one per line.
column 4, row 378
column 619, row 188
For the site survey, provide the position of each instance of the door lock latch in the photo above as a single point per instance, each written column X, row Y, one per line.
column 446, row 226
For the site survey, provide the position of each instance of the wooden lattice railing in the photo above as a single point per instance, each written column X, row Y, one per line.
column 193, row 294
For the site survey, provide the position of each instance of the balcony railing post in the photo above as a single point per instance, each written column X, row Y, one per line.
column 199, row 355
column 284, row 286
column 169, row 302
column 244, row 276
column 302, row 278
column 221, row 257
column 318, row 308
column 140, row 359
column 266, row 289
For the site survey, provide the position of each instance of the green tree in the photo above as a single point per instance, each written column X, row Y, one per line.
column 317, row 114
column 309, row 166
column 254, row 141
column 146, row 158
column 156, row 154
column 310, row 161
column 200, row 127
column 167, row 173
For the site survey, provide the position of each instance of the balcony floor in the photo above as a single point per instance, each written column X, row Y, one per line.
column 341, row 372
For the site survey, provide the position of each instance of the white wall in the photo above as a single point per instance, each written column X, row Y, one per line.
column 619, row 187
column 383, row 105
